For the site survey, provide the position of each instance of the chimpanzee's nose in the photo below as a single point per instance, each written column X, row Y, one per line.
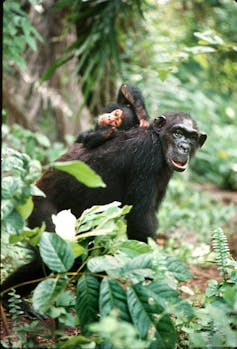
column 183, row 147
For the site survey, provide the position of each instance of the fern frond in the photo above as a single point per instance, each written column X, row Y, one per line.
column 222, row 251
column 14, row 304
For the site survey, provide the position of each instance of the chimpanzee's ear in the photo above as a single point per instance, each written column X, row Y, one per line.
column 159, row 121
column 202, row 139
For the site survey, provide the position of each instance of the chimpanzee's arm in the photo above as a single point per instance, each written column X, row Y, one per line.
column 93, row 138
column 132, row 95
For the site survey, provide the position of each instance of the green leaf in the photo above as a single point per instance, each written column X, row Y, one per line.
column 77, row 249
column 139, row 309
column 42, row 140
column 200, row 49
column 56, row 252
column 46, row 293
column 118, row 334
column 87, row 301
column 100, row 215
column 58, row 63
column 32, row 234
column 212, row 288
column 178, row 269
column 113, row 296
column 209, row 36
column 75, row 342
column 148, row 315
column 103, row 220
column 11, row 161
column 14, row 223
column 138, row 268
column 230, row 296
column 7, row 206
column 165, row 334
column 31, row 42
column 66, row 299
column 103, row 263
column 134, row 248
column 169, row 299
column 12, row 187
column 82, row 172
column 26, row 209
column 35, row 191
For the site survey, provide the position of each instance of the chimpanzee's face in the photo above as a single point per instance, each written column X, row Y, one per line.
column 114, row 118
column 122, row 117
column 180, row 138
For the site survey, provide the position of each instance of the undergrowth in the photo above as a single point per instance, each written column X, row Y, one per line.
column 127, row 292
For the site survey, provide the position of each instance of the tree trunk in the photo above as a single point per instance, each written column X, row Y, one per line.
column 56, row 103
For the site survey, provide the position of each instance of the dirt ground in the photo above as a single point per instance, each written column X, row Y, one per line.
column 198, row 283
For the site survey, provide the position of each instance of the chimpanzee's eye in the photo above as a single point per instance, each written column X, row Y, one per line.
column 178, row 133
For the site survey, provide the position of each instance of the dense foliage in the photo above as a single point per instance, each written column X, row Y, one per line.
column 126, row 293
column 18, row 32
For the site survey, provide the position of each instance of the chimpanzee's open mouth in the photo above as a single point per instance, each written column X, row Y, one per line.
column 179, row 166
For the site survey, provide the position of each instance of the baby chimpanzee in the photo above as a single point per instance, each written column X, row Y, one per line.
column 129, row 111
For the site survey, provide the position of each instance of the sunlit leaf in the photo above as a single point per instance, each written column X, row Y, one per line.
column 134, row 248
column 26, row 209
column 82, row 172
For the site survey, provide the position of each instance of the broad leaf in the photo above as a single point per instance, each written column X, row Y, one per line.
column 74, row 342
column 140, row 309
column 100, row 215
column 138, row 268
column 12, row 187
column 178, row 269
column 7, row 206
column 209, row 36
column 42, row 140
column 46, row 292
column 14, row 223
column 170, row 300
column 77, row 249
column 31, row 235
column 87, row 300
column 35, row 191
column 56, row 252
column 82, row 172
column 165, row 334
column 148, row 315
column 103, row 263
column 113, row 296
column 133, row 248
column 26, row 208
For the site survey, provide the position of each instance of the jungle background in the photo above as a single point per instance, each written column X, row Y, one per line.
column 63, row 61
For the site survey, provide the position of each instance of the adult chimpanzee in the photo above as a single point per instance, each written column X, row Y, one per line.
column 136, row 165
column 127, row 112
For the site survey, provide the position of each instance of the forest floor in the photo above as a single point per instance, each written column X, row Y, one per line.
column 198, row 283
